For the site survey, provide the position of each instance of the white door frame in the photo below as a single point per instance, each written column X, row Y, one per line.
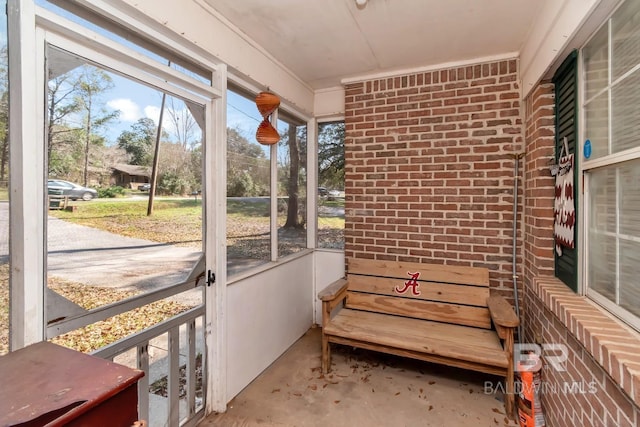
column 30, row 26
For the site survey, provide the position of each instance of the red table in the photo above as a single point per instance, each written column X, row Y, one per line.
column 48, row 385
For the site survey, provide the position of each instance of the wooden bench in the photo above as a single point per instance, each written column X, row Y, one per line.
column 435, row 313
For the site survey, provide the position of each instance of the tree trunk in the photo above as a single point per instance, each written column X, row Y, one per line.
column 294, row 169
column 86, row 149
column 4, row 158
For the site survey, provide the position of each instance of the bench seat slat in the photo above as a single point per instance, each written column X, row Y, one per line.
column 478, row 317
column 449, row 341
column 432, row 291
column 430, row 272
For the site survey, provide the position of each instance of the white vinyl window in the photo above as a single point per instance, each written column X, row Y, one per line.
column 611, row 166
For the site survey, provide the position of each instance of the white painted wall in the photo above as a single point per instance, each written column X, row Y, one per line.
column 329, row 268
column 270, row 311
column 329, row 102
column 561, row 26
column 199, row 23
column 266, row 314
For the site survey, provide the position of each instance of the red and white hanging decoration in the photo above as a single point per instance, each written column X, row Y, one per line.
column 564, row 206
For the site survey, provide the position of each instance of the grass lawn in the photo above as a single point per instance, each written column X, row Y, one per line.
column 175, row 221
column 4, row 194
column 179, row 221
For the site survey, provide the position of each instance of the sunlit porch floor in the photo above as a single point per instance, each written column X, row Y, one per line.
column 363, row 389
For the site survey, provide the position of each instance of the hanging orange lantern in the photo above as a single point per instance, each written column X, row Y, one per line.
column 267, row 103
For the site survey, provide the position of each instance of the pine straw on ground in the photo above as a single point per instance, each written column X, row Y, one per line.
column 105, row 332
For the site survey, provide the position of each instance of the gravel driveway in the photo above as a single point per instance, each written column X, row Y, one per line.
column 95, row 257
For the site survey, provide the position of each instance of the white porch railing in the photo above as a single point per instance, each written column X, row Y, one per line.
column 172, row 356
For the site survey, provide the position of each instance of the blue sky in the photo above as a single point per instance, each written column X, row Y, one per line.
column 135, row 100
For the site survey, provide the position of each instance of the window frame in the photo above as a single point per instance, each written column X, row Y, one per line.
column 249, row 90
column 606, row 161
column 316, row 170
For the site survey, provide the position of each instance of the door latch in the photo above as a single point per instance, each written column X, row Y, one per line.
column 211, row 278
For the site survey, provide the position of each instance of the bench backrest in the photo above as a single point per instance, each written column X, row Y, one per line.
column 449, row 294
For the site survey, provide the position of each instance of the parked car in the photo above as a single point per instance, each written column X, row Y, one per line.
column 322, row 192
column 144, row 187
column 74, row 191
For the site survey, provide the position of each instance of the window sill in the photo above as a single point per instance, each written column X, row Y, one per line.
column 612, row 344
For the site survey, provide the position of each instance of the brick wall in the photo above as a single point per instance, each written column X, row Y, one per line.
column 538, row 182
column 429, row 167
column 599, row 386
column 584, row 394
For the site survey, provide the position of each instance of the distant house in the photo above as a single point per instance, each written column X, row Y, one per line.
column 130, row 176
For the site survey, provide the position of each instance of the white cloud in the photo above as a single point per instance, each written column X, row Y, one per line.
column 152, row 112
column 129, row 110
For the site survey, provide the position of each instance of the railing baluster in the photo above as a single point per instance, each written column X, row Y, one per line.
column 143, row 383
column 191, row 368
column 140, row 341
column 174, row 376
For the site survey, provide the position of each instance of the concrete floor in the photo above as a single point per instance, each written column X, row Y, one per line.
column 363, row 389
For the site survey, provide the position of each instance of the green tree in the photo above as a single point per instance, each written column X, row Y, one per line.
column 247, row 167
column 295, row 141
column 331, row 154
column 93, row 83
column 138, row 142
column 61, row 105
column 4, row 114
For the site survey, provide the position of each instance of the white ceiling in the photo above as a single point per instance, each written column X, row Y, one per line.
column 324, row 41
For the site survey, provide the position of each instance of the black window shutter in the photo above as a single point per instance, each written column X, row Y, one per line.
column 565, row 81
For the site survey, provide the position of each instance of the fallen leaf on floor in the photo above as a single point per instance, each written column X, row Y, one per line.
column 275, row 390
column 470, row 391
column 495, row 421
column 297, row 394
column 313, row 387
column 373, row 391
column 432, row 382
column 325, row 385
column 430, row 407
column 506, row 421
column 397, row 393
column 336, row 401
column 497, row 411
column 421, row 391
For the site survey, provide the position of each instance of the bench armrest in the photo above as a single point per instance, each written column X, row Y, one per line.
column 502, row 313
column 333, row 290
